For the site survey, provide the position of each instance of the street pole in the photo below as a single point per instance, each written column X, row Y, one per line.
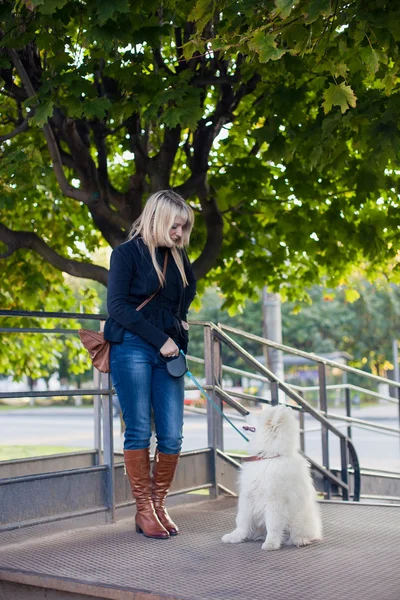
column 396, row 374
column 272, row 330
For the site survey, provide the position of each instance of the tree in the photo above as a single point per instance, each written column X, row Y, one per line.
column 276, row 120
column 362, row 321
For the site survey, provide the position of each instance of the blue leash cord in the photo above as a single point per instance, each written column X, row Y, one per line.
column 203, row 391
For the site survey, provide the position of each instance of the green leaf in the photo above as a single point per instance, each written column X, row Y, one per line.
column 265, row 46
column 201, row 13
column 370, row 58
column 284, row 7
column 339, row 95
column 339, row 70
column 51, row 6
column 186, row 116
column 389, row 81
column 106, row 9
column 96, row 108
column 194, row 45
column 43, row 112
column 315, row 8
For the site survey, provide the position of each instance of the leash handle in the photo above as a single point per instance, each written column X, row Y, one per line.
column 203, row 391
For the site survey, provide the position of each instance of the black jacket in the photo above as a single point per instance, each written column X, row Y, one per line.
column 132, row 279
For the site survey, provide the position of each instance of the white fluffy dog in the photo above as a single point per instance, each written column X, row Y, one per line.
column 277, row 495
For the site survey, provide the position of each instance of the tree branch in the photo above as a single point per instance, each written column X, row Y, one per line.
column 15, row 240
column 109, row 223
column 23, row 126
column 160, row 62
column 214, row 225
column 160, row 166
column 66, row 188
column 100, row 142
column 191, row 186
column 202, row 81
column 197, row 182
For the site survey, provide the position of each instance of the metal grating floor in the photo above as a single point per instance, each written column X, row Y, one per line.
column 358, row 560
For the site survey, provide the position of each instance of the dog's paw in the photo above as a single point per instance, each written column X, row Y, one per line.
column 235, row 537
column 271, row 545
column 301, row 541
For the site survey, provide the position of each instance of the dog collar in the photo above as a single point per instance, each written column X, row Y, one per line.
column 258, row 457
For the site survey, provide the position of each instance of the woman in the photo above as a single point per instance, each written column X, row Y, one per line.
column 151, row 266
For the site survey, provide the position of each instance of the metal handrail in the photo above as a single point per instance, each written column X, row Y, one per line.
column 52, row 315
column 309, row 355
column 346, row 445
column 345, row 386
column 264, row 374
column 213, row 332
column 363, row 423
column 335, row 417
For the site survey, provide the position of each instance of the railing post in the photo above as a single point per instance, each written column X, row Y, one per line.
column 344, row 457
column 396, row 371
column 108, row 448
column 97, row 415
column 323, row 405
column 274, row 393
column 348, row 409
column 302, row 430
column 97, row 383
column 398, row 398
column 213, row 370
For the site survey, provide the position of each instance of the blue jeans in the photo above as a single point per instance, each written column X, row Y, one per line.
column 142, row 382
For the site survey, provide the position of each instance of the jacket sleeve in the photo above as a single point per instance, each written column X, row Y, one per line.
column 122, row 270
column 190, row 290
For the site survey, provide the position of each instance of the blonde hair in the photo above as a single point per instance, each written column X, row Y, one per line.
column 154, row 224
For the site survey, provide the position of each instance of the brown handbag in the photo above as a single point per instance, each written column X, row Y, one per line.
column 97, row 346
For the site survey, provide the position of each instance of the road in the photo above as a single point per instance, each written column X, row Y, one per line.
column 64, row 426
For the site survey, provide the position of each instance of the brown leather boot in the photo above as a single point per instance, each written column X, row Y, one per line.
column 163, row 474
column 137, row 464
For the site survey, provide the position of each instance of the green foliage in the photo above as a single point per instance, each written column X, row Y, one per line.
column 286, row 113
column 361, row 321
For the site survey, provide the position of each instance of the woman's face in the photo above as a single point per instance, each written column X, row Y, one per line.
column 176, row 231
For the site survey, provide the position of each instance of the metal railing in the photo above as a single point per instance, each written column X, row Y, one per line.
column 322, row 363
column 214, row 337
column 103, row 420
column 322, row 389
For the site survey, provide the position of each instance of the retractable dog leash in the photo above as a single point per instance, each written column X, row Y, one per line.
column 178, row 367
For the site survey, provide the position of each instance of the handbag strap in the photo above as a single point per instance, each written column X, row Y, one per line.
column 156, row 292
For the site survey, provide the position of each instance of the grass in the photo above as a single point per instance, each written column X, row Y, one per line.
column 12, row 407
column 13, row 452
column 5, row 407
column 203, row 492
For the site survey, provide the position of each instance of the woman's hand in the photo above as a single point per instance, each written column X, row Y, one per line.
column 169, row 349
column 185, row 325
